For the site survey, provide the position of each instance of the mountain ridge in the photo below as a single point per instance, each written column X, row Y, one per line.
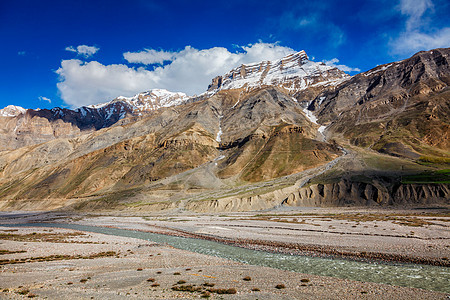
column 292, row 73
column 349, row 143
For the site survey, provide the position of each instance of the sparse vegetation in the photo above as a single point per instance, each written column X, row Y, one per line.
column 43, row 237
column 280, row 286
column 23, row 292
column 2, row 252
column 223, row 291
column 56, row 257
column 415, row 220
column 205, row 294
column 440, row 176
column 208, row 284
column 187, row 288
column 247, row 278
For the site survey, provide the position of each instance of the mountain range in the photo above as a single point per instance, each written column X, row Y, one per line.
column 290, row 132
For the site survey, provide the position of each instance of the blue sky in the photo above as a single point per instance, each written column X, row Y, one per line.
column 74, row 53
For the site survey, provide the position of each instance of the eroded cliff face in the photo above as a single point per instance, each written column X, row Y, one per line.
column 28, row 129
column 347, row 193
column 341, row 194
column 235, row 204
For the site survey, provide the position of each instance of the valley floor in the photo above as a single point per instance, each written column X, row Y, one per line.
column 68, row 264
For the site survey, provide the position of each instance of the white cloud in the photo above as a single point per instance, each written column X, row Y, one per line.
column 263, row 51
column 414, row 9
column 189, row 70
column 413, row 41
column 83, row 50
column 148, row 57
column 419, row 34
column 333, row 62
column 42, row 98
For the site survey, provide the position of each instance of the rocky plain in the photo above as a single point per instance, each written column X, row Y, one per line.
column 59, row 263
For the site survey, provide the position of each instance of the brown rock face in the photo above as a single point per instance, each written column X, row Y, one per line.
column 39, row 126
column 215, row 84
column 400, row 108
column 28, row 129
column 423, row 73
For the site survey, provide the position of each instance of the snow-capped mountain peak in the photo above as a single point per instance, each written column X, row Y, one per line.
column 148, row 101
column 154, row 99
column 293, row 72
column 12, row 111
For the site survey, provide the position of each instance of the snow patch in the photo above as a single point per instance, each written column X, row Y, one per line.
column 322, row 129
column 12, row 111
column 310, row 116
column 313, row 119
column 219, row 133
column 377, row 70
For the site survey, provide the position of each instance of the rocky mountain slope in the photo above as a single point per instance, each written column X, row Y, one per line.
column 171, row 141
column 21, row 127
column 401, row 108
column 248, row 143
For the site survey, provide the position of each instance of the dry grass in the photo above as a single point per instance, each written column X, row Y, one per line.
column 412, row 220
column 187, row 288
column 45, row 237
column 2, row 252
column 223, row 291
column 56, row 257
column 208, row 284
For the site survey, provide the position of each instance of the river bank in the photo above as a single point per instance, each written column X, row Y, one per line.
column 59, row 263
